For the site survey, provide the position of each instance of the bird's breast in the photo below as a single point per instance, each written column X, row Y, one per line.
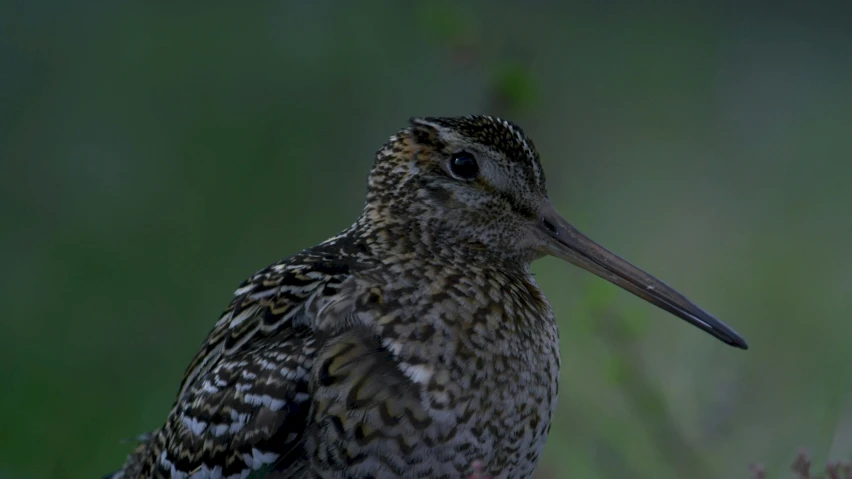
column 484, row 354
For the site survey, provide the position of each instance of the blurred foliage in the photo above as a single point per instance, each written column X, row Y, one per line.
column 514, row 88
column 152, row 155
column 802, row 468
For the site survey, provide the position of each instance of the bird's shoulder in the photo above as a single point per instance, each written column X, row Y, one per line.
column 243, row 403
column 280, row 303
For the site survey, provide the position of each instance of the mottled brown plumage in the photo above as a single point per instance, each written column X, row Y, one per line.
column 413, row 344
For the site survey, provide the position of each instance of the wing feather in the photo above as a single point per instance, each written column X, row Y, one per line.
column 244, row 401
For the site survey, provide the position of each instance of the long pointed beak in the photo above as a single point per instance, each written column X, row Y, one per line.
column 564, row 241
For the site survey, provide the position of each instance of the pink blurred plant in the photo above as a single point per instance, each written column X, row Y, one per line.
column 802, row 467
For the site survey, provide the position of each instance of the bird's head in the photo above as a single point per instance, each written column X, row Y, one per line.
column 467, row 187
column 473, row 189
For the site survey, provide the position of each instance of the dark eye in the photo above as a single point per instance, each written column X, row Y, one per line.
column 464, row 166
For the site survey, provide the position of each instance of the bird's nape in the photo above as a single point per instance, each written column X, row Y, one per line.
column 565, row 242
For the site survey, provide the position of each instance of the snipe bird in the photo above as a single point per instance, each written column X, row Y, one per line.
column 413, row 344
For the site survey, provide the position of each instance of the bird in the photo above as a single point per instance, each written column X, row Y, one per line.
column 415, row 343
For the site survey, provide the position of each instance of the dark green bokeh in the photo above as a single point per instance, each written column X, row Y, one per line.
column 153, row 155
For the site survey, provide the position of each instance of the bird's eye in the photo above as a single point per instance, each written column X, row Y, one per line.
column 463, row 165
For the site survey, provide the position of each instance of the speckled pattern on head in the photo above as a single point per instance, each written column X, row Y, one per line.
column 502, row 135
column 414, row 344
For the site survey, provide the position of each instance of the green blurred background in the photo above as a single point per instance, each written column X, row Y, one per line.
column 152, row 155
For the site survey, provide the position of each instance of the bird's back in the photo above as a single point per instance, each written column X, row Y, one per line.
column 245, row 397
